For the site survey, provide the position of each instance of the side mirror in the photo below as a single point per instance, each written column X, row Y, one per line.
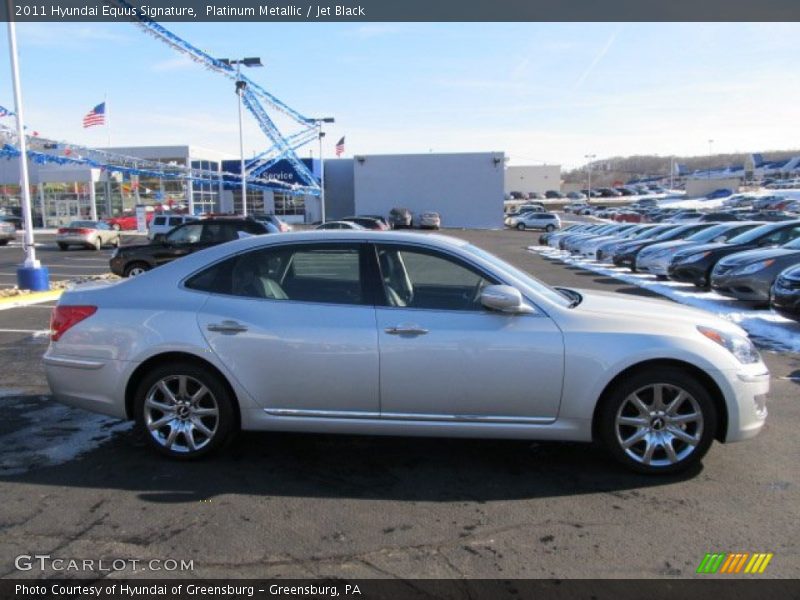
column 504, row 298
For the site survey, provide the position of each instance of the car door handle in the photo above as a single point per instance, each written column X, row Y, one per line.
column 406, row 330
column 227, row 327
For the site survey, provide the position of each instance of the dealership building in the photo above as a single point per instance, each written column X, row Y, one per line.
column 466, row 189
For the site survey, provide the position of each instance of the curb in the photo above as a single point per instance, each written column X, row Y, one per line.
column 27, row 299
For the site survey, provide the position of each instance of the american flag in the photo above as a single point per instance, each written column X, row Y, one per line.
column 4, row 112
column 340, row 147
column 96, row 116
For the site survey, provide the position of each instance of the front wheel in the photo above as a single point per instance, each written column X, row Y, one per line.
column 550, row 228
column 661, row 420
column 136, row 269
column 184, row 411
column 521, row 226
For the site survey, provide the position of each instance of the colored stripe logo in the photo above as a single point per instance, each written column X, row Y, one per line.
column 729, row 563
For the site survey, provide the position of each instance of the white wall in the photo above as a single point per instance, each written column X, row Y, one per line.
column 465, row 189
column 533, row 178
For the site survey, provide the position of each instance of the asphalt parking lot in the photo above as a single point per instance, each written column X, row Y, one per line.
column 75, row 485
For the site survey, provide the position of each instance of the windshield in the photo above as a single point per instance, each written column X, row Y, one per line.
column 709, row 234
column 86, row 224
column 652, row 233
column 540, row 287
column 676, row 232
column 751, row 236
column 793, row 245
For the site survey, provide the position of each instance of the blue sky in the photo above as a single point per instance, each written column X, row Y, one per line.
column 541, row 92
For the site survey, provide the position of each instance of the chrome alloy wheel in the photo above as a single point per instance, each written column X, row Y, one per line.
column 181, row 414
column 659, row 425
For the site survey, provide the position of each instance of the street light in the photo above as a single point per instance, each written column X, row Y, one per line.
column 710, row 142
column 591, row 157
column 321, row 135
column 252, row 61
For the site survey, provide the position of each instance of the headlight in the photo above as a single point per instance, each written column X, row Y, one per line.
column 755, row 267
column 693, row 258
column 738, row 345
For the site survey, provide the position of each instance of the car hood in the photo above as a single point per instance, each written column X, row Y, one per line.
column 652, row 312
column 750, row 256
column 703, row 248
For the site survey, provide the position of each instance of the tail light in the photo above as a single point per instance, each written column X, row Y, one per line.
column 62, row 230
column 65, row 317
column 84, row 231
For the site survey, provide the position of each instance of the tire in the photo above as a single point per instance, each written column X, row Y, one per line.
column 3, row 242
column 98, row 244
column 550, row 228
column 179, row 424
column 134, row 269
column 521, row 226
column 620, row 421
column 62, row 246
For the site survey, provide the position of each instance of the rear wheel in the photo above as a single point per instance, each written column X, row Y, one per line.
column 184, row 411
column 135, row 269
column 550, row 228
column 521, row 226
column 661, row 420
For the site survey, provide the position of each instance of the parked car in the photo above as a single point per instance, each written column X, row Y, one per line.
column 608, row 193
column 164, row 223
column 340, row 225
column 717, row 217
column 785, row 294
column 8, row 232
column 628, row 216
column 576, row 196
column 626, row 254
column 128, row 221
column 400, row 218
column 89, row 234
column 368, row 222
column 249, row 335
column 694, row 265
column 131, row 261
column 553, row 194
column 749, row 275
column 605, row 252
column 719, row 193
column 655, row 259
column 429, row 220
column 14, row 221
column 535, row 220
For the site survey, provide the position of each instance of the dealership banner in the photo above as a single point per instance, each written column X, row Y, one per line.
column 399, row 589
column 408, row 10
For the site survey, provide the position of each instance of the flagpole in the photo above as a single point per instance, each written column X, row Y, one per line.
column 108, row 119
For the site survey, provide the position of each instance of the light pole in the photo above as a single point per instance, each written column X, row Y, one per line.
column 710, row 142
column 590, row 157
column 31, row 275
column 252, row 61
column 321, row 134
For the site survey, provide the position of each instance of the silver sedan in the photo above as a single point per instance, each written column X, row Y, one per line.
column 89, row 234
column 434, row 337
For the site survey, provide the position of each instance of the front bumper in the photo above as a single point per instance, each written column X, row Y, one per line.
column 689, row 273
column 786, row 302
column 747, row 396
column 746, row 288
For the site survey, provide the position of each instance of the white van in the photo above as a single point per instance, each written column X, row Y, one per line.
column 163, row 224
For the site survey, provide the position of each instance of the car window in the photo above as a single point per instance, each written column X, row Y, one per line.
column 782, row 236
column 174, row 221
column 217, row 233
column 187, row 234
column 325, row 273
column 159, row 220
column 417, row 278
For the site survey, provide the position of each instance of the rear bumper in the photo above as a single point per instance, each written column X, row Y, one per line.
column 84, row 240
column 90, row 384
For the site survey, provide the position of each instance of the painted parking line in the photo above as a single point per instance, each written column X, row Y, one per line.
column 34, row 332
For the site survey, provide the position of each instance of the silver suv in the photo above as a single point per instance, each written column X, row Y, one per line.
column 535, row 220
